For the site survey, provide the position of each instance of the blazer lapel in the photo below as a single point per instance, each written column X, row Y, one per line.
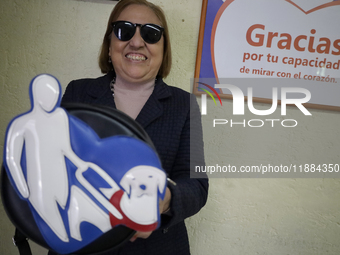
column 101, row 93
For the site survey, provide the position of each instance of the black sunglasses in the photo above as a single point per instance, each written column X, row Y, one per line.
column 125, row 30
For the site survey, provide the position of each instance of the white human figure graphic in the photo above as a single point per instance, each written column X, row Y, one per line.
column 47, row 184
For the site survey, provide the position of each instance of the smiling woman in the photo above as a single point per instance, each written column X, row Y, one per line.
column 104, row 60
column 135, row 57
column 134, row 60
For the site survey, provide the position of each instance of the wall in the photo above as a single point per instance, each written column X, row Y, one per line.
column 242, row 216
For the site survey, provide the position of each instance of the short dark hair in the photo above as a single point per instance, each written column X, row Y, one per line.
column 104, row 63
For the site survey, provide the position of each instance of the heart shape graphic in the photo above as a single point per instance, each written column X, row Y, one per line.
column 250, row 40
column 116, row 155
column 312, row 6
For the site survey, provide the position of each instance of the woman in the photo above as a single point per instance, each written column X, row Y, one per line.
column 135, row 57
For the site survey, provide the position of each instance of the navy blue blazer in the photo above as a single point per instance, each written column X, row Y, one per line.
column 167, row 118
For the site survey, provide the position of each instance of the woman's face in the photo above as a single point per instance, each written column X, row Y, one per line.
column 136, row 61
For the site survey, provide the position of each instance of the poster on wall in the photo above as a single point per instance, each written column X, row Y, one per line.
column 270, row 46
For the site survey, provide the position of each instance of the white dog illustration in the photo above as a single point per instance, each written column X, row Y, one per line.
column 142, row 184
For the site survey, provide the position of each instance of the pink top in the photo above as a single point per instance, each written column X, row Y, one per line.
column 131, row 99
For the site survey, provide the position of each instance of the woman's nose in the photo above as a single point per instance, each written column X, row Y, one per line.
column 137, row 40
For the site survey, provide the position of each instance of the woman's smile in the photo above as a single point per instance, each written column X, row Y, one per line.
column 136, row 57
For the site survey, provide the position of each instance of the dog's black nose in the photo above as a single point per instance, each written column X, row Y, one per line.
column 143, row 187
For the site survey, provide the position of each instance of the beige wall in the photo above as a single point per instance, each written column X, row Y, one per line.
column 242, row 216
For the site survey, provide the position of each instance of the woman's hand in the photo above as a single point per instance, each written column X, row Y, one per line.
column 140, row 234
column 164, row 206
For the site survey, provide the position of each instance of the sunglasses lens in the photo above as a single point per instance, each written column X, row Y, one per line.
column 151, row 33
column 124, row 31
